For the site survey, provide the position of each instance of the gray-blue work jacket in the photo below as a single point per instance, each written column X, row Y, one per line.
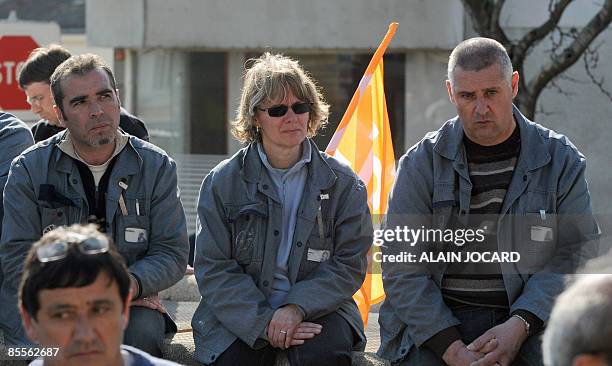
column 548, row 192
column 151, row 238
column 239, row 222
column 15, row 137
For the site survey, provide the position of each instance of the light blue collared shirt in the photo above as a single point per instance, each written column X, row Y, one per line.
column 289, row 185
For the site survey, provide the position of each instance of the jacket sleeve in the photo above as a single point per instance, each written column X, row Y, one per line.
column 13, row 141
column 166, row 260
column 578, row 240
column 20, row 229
column 231, row 293
column 335, row 281
column 410, row 287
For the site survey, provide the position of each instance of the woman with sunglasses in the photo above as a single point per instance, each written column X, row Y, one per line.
column 283, row 233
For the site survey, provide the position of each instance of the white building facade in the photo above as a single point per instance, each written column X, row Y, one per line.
column 184, row 59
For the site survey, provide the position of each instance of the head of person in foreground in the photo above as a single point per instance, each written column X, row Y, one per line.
column 74, row 297
column 579, row 331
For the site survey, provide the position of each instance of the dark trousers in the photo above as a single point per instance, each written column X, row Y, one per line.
column 333, row 347
column 145, row 330
column 474, row 322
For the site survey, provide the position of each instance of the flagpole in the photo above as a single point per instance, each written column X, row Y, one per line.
column 381, row 48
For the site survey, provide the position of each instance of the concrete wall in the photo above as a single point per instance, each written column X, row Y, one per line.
column 287, row 24
column 428, row 31
column 583, row 114
column 427, row 104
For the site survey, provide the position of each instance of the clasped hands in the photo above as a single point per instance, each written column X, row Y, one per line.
column 287, row 328
column 497, row 346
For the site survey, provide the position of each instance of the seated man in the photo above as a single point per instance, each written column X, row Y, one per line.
column 93, row 172
column 14, row 138
column 499, row 187
column 74, row 299
column 34, row 78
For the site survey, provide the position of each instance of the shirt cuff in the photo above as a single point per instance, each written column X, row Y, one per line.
column 535, row 323
column 442, row 340
column 138, row 292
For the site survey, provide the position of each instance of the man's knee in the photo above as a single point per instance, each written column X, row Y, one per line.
column 333, row 346
column 145, row 330
column 322, row 357
column 531, row 351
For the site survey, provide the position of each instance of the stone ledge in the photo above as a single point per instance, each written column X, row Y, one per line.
column 184, row 290
column 181, row 350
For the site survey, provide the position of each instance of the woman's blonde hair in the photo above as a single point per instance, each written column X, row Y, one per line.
column 272, row 77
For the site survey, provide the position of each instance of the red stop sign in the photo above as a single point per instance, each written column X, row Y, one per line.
column 14, row 50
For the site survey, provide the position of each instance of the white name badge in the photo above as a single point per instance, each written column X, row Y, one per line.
column 541, row 233
column 135, row 235
column 316, row 255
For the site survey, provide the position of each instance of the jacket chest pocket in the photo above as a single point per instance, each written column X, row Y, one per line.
column 536, row 232
column 52, row 218
column 444, row 203
column 318, row 250
column 132, row 237
column 248, row 225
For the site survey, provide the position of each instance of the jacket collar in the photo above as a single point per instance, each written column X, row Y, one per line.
column 534, row 152
column 320, row 174
column 130, row 159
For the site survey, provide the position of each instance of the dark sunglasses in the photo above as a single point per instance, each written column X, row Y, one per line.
column 281, row 109
column 59, row 250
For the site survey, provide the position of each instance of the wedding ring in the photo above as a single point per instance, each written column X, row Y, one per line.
column 283, row 331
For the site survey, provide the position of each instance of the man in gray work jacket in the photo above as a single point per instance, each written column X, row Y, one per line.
column 520, row 188
column 15, row 137
column 93, row 172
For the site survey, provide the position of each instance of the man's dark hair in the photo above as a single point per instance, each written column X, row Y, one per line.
column 478, row 53
column 41, row 64
column 77, row 65
column 75, row 270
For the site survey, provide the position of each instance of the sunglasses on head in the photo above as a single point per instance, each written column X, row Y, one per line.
column 281, row 109
column 59, row 250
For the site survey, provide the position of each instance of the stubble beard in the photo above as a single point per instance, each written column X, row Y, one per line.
column 97, row 141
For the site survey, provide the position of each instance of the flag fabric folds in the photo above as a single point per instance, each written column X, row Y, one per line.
column 363, row 141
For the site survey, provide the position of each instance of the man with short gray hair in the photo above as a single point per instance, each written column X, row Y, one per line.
column 520, row 187
column 580, row 326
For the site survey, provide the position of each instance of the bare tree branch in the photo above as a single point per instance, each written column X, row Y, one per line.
column 496, row 30
column 572, row 53
column 522, row 47
column 591, row 59
column 554, row 85
column 485, row 18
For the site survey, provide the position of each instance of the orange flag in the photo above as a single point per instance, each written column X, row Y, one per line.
column 363, row 141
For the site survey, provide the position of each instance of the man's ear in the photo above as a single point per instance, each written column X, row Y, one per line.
column 29, row 324
column 515, row 83
column 59, row 114
column 449, row 89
